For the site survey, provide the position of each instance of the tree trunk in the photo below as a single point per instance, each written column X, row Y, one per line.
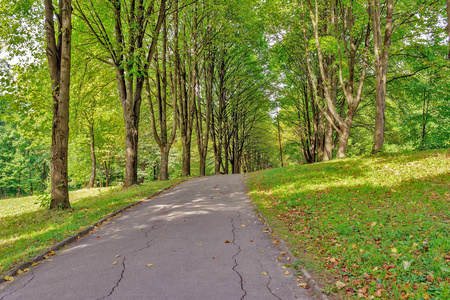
column 131, row 145
column 107, row 166
column 279, row 139
column 164, row 171
column 59, row 59
column 93, row 159
column 381, row 67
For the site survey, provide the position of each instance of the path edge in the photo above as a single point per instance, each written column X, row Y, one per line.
column 308, row 278
column 81, row 234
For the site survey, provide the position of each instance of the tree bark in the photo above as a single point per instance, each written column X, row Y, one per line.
column 279, row 139
column 93, row 158
column 59, row 59
column 381, row 66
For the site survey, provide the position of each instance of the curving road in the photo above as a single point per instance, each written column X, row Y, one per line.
column 199, row 240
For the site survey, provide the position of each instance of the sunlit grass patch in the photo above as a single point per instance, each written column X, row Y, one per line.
column 380, row 225
column 26, row 229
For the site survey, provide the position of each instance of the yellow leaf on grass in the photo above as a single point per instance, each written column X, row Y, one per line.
column 426, row 296
column 340, row 285
column 394, row 250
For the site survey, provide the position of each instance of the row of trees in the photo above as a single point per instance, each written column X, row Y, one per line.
column 338, row 60
column 194, row 67
column 163, row 88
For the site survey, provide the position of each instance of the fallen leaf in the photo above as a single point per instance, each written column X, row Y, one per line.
column 283, row 267
column 379, row 293
column 26, row 270
column 406, row 265
column 227, row 242
column 426, row 296
column 262, row 251
column 242, row 225
column 287, row 273
column 263, row 273
column 303, row 285
column 141, row 228
column 340, row 285
column 394, row 250
column 50, row 259
column 114, row 263
column 149, row 265
column 97, row 237
column 116, row 235
column 214, row 257
column 117, row 255
column 19, row 272
column 8, row 278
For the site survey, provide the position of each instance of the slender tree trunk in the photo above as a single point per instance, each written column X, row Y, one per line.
column 279, row 139
column 164, row 171
column 93, row 159
column 381, row 66
column 107, row 166
column 59, row 59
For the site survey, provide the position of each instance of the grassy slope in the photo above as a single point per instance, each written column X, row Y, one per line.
column 380, row 225
column 27, row 230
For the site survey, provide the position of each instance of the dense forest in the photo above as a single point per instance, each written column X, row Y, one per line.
column 167, row 88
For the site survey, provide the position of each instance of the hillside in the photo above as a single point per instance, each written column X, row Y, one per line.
column 373, row 226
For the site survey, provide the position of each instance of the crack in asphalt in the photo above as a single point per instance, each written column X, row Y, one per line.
column 118, row 281
column 31, row 279
column 233, row 228
column 147, row 245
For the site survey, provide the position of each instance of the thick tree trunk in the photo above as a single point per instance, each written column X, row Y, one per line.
column 131, row 145
column 93, row 159
column 59, row 58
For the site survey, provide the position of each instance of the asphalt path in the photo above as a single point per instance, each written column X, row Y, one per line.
column 198, row 240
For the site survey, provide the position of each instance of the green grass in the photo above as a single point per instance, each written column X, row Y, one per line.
column 26, row 229
column 380, row 225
